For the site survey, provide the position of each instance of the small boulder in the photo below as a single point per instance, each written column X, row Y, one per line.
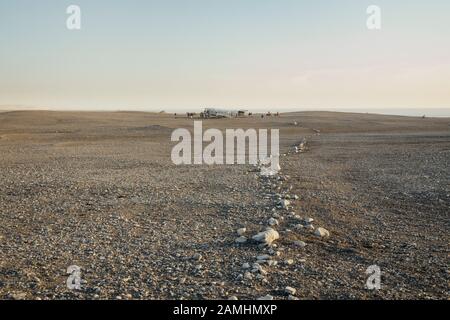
column 322, row 232
column 267, row 237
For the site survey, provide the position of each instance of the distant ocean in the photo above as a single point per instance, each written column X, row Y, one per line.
column 410, row 112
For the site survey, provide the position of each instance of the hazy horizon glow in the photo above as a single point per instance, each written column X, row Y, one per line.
column 254, row 54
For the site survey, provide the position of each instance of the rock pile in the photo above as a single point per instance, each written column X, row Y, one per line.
column 275, row 187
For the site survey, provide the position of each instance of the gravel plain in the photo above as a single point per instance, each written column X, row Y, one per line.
column 99, row 191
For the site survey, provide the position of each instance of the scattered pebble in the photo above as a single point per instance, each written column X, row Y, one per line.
column 197, row 257
column 263, row 257
column 289, row 261
column 285, row 204
column 248, row 275
column 241, row 239
column 300, row 244
column 308, row 220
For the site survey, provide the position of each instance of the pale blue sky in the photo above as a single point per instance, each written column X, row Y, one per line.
column 259, row 54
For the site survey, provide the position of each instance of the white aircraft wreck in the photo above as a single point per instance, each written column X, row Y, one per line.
column 222, row 113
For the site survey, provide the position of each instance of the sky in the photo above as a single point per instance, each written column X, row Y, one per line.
column 252, row 54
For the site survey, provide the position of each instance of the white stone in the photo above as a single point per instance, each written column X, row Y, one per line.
column 267, row 237
column 289, row 261
column 322, row 232
column 246, row 266
column 241, row 231
column 263, row 257
column 273, row 222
